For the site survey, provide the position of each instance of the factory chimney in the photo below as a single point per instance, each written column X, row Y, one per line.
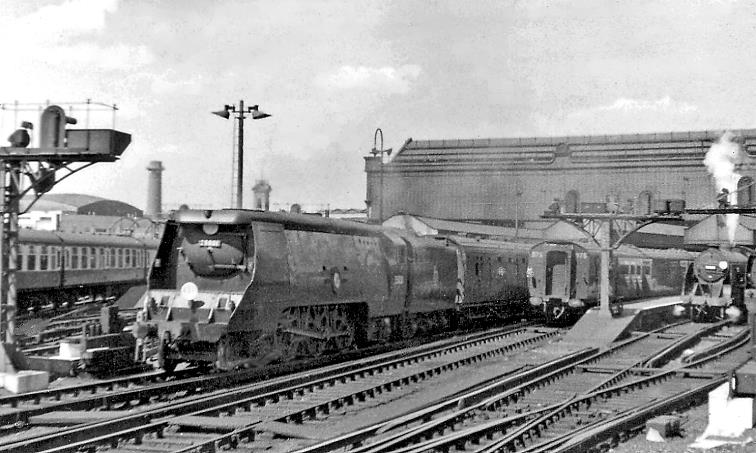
column 262, row 195
column 154, row 189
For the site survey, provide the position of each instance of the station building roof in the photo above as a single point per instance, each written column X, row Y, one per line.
column 579, row 150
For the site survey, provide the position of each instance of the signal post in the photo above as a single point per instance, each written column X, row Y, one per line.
column 61, row 152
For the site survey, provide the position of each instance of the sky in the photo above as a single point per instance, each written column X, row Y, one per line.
column 331, row 72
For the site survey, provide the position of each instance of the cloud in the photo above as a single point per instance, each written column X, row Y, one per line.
column 386, row 79
column 665, row 104
column 87, row 55
column 66, row 19
column 626, row 115
column 61, row 36
column 171, row 82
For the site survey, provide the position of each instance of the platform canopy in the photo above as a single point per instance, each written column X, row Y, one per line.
column 427, row 226
column 712, row 231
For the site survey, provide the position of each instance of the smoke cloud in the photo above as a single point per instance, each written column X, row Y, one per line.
column 721, row 160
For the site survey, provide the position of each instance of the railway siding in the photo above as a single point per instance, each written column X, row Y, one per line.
column 559, row 402
column 136, row 427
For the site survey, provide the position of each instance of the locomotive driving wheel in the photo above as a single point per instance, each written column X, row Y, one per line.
column 315, row 330
column 341, row 329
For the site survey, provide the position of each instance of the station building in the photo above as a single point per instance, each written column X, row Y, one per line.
column 78, row 213
column 507, row 181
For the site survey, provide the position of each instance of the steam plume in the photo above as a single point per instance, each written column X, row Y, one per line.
column 721, row 160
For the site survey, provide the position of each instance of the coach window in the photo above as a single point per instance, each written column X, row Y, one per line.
column 745, row 191
column 44, row 258
column 74, row 257
column 572, row 201
column 31, row 258
column 84, row 257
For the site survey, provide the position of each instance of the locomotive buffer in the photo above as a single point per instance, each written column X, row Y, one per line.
column 23, row 170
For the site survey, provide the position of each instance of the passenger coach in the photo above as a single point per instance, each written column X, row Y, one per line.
column 55, row 269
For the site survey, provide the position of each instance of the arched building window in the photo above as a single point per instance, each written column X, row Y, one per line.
column 745, row 191
column 645, row 203
column 572, row 201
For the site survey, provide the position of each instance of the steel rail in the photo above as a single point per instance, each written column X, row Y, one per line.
column 633, row 414
column 487, row 397
column 232, row 438
column 188, row 379
column 137, row 425
column 395, row 442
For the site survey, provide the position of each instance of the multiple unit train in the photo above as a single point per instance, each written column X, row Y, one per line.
column 563, row 277
column 55, row 269
column 233, row 286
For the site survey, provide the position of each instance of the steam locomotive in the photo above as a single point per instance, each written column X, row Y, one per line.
column 54, row 269
column 564, row 277
column 721, row 283
column 239, row 287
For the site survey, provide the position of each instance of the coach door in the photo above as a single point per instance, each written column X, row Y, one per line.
column 581, row 276
column 397, row 275
column 557, row 273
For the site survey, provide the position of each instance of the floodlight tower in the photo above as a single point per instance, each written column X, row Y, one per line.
column 240, row 115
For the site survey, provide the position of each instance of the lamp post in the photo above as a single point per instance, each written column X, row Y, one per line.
column 240, row 113
column 375, row 152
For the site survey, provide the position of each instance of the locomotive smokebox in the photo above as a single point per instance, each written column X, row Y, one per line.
column 154, row 189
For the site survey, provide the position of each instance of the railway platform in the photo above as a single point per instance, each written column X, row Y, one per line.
column 596, row 328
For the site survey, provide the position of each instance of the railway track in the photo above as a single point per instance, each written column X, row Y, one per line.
column 594, row 400
column 41, row 332
column 204, row 402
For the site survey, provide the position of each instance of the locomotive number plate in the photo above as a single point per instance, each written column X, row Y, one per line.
column 210, row 243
